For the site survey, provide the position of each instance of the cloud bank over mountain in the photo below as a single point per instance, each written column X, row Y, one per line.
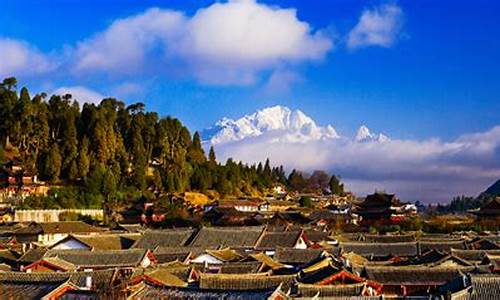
column 429, row 170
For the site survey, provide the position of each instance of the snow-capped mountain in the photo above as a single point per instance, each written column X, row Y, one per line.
column 280, row 124
column 365, row 135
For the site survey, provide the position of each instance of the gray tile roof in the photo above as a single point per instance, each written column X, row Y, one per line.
column 166, row 257
column 311, row 290
column 240, row 268
column 106, row 241
column 217, row 237
column 15, row 290
column 485, row 287
column 373, row 238
column 296, row 256
column 100, row 279
column 444, row 245
column 100, row 258
column 244, row 281
column 473, row 255
column 380, row 249
column 316, row 235
column 164, row 238
column 412, row 275
column 271, row 240
column 32, row 255
column 57, row 227
column 153, row 292
column 195, row 251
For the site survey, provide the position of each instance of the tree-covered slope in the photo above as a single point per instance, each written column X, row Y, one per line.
column 109, row 148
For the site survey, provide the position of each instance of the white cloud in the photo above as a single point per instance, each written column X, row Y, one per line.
column 225, row 43
column 127, row 89
column 80, row 93
column 231, row 42
column 281, row 81
column 429, row 170
column 379, row 26
column 124, row 46
column 20, row 58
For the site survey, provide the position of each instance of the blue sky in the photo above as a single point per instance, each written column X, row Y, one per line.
column 439, row 78
column 425, row 73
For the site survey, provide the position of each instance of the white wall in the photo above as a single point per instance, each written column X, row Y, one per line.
column 52, row 215
column 71, row 244
column 206, row 258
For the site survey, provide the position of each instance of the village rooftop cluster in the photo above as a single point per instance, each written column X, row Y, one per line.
column 292, row 254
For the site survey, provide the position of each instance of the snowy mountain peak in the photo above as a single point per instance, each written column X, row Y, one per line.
column 365, row 135
column 281, row 124
column 278, row 122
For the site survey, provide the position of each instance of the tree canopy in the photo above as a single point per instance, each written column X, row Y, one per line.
column 106, row 148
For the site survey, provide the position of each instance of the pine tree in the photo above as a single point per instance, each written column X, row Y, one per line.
column 54, row 137
column 157, row 183
column 39, row 139
column 83, row 159
column 10, row 83
column 8, row 99
column 53, row 163
column 69, row 142
column 138, row 152
column 73, row 171
column 109, row 184
column 296, row 180
column 2, row 154
column 195, row 153
column 211, row 156
column 336, row 187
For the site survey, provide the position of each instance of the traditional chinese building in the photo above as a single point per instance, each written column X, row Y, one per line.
column 490, row 210
column 376, row 207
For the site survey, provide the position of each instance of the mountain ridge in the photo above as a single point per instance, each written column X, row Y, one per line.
column 493, row 190
column 281, row 124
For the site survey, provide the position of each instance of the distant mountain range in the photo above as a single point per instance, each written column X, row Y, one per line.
column 280, row 124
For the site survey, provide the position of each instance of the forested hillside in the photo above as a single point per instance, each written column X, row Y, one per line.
column 106, row 149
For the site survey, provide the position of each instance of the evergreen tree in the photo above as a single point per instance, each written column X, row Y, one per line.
column 39, row 140
column 9, row 83
column 296, row 180
column 195, row 153
column 73, row 171
column 319, row 181
column 2, row 155
column 336, row 187
column 8, row 100
column 53, row 163
column 110, row 145
column 69, row 142
column 83, row 159
column 109, row 184
column 211, row 157
column 138, row 152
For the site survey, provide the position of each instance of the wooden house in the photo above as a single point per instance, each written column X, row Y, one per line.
column 490, row 210
column 411, row 280
column 51, row 232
